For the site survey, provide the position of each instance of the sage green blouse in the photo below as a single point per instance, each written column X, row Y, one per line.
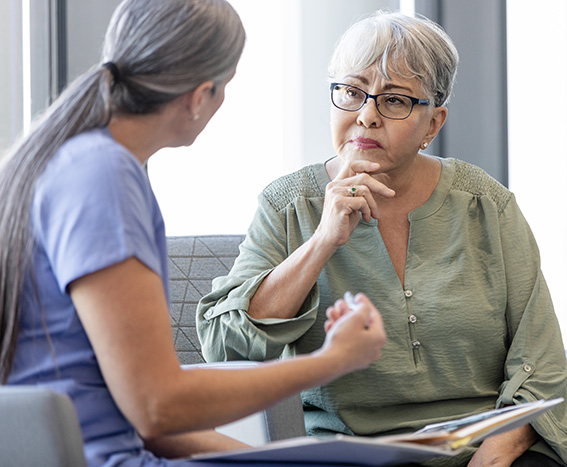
column 471, row 328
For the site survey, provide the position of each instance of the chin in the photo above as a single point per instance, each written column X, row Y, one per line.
column 185, row 143
column 361, row 156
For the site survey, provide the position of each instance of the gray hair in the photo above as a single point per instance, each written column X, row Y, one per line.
column 159, row 51
column 411, row 47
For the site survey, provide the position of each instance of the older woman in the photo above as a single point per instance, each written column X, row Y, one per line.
column 437, row 244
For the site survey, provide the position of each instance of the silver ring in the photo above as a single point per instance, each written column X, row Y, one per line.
column 352, row 190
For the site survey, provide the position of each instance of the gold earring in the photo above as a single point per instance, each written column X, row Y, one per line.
column 424, row 145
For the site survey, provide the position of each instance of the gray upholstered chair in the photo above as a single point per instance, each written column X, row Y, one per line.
column 38, row 428
column 194, row 261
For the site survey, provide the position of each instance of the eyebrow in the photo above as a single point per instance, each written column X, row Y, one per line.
column 359, row 78
column 390, row 86
column 387, row 86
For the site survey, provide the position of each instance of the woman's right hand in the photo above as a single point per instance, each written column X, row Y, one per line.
column 356, row 335
column 342, row 210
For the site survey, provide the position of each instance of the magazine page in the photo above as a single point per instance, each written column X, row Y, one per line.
column 473, row 429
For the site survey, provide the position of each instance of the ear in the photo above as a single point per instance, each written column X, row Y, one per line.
column 437, row 121
column 196, row 99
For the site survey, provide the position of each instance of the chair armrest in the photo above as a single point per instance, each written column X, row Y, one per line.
column 39, row 427
column 282, row 421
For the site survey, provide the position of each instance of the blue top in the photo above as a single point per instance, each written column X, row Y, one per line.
column 93, row 208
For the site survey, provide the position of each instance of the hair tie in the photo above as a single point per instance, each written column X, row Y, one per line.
column 114, row 71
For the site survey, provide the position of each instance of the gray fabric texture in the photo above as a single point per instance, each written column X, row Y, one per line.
column 194, row 261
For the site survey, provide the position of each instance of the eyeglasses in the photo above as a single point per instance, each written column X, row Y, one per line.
column 389, row 105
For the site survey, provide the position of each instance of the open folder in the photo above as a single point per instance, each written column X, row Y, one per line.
column 442, row 439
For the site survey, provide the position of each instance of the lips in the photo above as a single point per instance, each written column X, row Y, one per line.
column 366, row 143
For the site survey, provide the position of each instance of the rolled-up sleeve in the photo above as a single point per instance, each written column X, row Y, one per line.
column 535, row 367
column 225, row 329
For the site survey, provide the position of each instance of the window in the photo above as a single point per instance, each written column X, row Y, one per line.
column 11, row 118
column 275, row 118
column 211, row 186
column 26, row 83
column 537, row 77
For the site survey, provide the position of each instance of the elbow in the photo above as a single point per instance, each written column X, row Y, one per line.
column 164, row 410
column 153, row 421
column 156, row 407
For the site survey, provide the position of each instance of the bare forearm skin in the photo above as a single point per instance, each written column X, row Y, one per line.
column 284, row 290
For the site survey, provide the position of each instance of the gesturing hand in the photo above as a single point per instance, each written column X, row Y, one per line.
column 356, row 334
column 349, row 195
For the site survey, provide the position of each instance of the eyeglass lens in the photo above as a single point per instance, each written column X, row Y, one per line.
column 390, row 105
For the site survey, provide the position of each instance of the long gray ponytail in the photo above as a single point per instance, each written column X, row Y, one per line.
column 158, row 50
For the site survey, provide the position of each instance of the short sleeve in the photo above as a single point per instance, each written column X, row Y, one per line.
column 93, row 209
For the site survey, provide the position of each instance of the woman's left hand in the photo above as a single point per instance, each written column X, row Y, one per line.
column 503, row 449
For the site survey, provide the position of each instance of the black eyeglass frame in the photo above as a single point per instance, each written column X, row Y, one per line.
column 414, row 100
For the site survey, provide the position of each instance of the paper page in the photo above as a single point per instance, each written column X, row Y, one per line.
column 458, row 433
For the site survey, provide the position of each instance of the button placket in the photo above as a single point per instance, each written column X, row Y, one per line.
column 412, row 320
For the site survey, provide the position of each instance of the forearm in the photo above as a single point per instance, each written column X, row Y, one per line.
column 502, row 450
column 242, row 391
column 354, row 341
column 284, row 290
column 119, row 304
column 126, row 301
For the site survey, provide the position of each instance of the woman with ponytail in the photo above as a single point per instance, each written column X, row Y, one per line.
column 83, row 262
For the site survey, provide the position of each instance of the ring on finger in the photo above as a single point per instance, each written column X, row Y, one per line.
column 352, row 190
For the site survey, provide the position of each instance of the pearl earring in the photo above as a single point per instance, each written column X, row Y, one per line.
column 195, row 117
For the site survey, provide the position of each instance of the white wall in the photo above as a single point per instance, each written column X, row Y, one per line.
column 537, row 73
column 275, row 118
column 211, row 186
column 322, row 22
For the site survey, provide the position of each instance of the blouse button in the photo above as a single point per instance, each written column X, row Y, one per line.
column 408, row 293
column 416, row 344
column 412, row 319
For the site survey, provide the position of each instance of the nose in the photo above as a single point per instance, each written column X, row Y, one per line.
column 368, row 115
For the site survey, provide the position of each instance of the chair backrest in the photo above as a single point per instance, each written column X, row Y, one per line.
column 38, row 427
column 194, row 261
